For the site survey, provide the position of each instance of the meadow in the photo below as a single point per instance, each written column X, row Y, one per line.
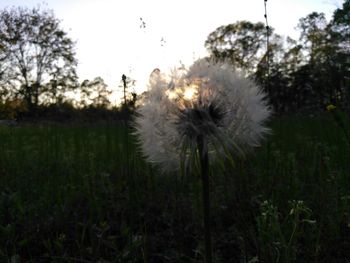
column 83, row 193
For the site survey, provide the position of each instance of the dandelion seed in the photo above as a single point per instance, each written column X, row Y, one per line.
column 209, row 100
column 162, row 42
column 210, row 111
column 143, row 23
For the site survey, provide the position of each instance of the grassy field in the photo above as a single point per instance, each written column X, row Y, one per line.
column 83, row 193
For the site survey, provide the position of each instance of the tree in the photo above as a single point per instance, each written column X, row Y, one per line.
column 293, row 56
column 328, row 54
column 341, row 24
column 271, row 74
column 313, row 33
column 340, row 27
column 94, row 93
column 38, row 54
column 320, row 80
column 297, row 75
column 242, row 43
column 129, row 98
column 4, row 91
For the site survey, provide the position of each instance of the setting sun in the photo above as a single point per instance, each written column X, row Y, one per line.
column 190, row 92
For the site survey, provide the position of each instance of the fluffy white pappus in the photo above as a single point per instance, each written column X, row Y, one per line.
column 210, row 101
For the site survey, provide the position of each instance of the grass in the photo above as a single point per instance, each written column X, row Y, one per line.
column 70, row 193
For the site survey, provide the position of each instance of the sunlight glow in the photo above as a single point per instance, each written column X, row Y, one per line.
column 191, row 92
column 154, row 37
column 173, row 93
column 188, row 93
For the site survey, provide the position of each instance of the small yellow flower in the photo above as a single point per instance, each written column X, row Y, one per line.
column 331, row 107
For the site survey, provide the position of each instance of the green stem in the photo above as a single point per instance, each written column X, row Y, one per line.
column 204, row 162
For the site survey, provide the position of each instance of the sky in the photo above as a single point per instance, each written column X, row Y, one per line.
column 133, row 37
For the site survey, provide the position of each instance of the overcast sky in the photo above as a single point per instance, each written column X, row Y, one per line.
column 135, row 36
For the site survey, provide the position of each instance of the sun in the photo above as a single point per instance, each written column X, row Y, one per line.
column 190, row 92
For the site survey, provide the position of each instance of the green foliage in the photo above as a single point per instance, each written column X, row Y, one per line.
column 83, row 192
column 278, row 236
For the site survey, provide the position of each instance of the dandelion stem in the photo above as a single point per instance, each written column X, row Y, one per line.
column 204, row 162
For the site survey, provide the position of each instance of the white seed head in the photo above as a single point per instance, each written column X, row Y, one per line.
column 210, row 100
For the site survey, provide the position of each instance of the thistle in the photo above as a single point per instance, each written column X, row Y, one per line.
column 209, row 112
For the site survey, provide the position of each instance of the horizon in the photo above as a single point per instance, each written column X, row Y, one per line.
column 135, row 37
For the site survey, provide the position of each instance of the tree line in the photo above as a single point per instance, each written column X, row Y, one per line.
column 38, row 68
column 300, row 75
column 38, row 63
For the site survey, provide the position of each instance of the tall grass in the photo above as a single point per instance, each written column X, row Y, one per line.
column 72, row 194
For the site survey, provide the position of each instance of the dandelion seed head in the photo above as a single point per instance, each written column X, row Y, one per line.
column 210, row 100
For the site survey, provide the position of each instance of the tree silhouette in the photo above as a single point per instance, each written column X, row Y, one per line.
column 94, row 93
column 304, row 74
column 128, row 97
column 38, row 55
column 242, row 43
